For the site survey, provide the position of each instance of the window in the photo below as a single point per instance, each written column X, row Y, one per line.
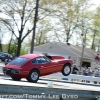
column 5, row 55
column 40, row 60
column 10, row 56
column 34, row 61
column 0, row 54
column 19, row 61
column 47, row 59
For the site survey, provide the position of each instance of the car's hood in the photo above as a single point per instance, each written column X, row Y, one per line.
column 67, row 60
column 13, row 66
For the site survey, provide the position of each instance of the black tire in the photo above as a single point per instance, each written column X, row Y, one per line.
column 33, row 76
column 15, row 78
column 66, row 70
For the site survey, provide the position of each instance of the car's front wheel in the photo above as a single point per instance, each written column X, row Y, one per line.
column 33, row 76
column 66, row 70
column 15, row 78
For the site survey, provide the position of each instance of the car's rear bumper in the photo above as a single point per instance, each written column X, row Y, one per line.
column 10, row 72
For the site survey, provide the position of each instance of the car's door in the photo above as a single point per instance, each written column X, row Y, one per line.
column 46, row 65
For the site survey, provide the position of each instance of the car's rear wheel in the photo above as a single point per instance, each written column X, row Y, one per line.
column 66, row 70
column 15, row 78
column 33, row 76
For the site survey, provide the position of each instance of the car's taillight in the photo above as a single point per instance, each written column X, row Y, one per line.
column 15, row 71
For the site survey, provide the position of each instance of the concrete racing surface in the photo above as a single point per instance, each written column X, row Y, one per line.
column 46, row 89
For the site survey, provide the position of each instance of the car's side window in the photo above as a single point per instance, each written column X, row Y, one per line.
column 34, row 61
column 48, row 60
column 3, row 54
column 40, row 60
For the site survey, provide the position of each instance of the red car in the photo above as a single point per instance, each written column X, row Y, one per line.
column 32, row 66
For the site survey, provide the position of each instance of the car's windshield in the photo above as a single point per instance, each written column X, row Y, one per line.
column 19, row 61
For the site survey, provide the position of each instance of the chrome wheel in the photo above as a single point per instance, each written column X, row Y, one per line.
column 66, row 70
column 34, row 76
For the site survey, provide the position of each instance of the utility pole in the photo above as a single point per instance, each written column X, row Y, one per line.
column 84, row 43
column 34, row 26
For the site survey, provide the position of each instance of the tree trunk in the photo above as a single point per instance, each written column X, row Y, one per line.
column 34, row 27
column 10, row 43
column 0, row 46
column 67, row 36
column 19, row 47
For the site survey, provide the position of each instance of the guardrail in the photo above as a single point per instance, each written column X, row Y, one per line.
column 82, row 79
column 76, row 78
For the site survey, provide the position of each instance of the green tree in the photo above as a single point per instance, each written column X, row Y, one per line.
column 95, row 36
column 18, row 18
column 42, row 32
column 1, row 35
column 3, row 32
column 71, row 14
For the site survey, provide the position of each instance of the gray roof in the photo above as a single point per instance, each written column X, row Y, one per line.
column 65, row 49
column 88, row 52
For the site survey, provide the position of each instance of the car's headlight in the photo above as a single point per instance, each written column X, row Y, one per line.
column 15, row 71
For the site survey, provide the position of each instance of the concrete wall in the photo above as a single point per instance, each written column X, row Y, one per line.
column 49, row 92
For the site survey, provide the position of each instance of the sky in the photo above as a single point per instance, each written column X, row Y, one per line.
column 96, row 2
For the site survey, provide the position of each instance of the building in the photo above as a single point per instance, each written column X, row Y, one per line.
column 69, row 51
